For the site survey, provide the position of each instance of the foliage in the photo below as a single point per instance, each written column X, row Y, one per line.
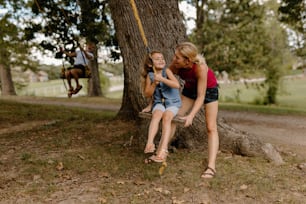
column 115, row 69
column 243, row 38
column 68, row 22
column 293, row 13
column 14, row 49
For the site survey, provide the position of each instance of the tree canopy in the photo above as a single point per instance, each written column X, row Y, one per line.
column 293, row 13
column 244, row 39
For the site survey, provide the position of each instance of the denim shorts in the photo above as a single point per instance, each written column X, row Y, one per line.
column 162, row 108
column 211, row 95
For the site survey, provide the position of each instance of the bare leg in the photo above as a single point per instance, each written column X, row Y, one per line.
column 162, row 150
column 76, row 73
column 187, row 103
column 154, row 125
column 211, row 112
column 68, row 77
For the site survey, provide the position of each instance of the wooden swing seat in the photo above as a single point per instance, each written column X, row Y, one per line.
column 149, row 116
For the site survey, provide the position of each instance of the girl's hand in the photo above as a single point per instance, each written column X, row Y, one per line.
column 158, row 77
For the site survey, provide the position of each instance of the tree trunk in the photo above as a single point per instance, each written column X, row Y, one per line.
column 7, row 85
column 164, row 29
column 94, row 85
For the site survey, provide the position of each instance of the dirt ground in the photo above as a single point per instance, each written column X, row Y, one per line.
column 286, row 133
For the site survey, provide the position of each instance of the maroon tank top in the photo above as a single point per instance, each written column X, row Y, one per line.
column 189, row 76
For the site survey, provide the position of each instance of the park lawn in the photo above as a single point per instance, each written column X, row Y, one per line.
column 76, row 155
column 292, row 93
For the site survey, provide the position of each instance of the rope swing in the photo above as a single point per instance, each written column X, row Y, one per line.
column 142, row 33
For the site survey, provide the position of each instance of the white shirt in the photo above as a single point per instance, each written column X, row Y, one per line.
column 81, row 57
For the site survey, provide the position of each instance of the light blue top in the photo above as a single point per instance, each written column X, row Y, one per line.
column 81, row 58
column 170, row 95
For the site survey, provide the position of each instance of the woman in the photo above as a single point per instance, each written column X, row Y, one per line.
column 200, row 87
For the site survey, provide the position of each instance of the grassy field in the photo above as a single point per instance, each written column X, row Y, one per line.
column 292, row 94
column 73, row 155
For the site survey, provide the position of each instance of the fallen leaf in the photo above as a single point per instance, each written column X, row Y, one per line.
column 120, row 182
column 158, row 189
column 243, row 187
column 186, row 190
column 138, row 183
column 81, row 157
column 60, row 166
column 102, row 200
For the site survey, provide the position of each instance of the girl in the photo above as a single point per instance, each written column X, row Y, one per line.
column 160, row 84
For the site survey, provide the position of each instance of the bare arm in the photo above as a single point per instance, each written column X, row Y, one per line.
column 87, row 54
column 171, row 81
column 201, row 73
column 69, row 54
column 201, row 87
column 149, row 87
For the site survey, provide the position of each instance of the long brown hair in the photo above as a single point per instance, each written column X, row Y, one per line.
column 147, row 67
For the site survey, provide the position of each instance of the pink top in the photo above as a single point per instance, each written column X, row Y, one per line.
column 189, row 76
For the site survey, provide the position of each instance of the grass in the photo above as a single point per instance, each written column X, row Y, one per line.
column 290, row 100
column 101, row 166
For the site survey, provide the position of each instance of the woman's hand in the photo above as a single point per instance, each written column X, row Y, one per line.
column 188, row 120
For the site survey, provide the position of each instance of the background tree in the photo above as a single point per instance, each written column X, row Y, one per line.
column 65, row 23
column 164, row 29
column 243, row 38
column 14, row 50
column 293, row 13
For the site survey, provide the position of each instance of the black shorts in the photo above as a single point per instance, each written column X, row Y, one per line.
column 79, row 66
column 211, row 95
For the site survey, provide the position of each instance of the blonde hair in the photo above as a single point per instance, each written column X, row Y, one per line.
column 147, row 67
column 190, row 51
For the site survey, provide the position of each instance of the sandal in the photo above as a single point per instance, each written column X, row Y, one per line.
column 148, row 160
column 70, row 92
column 208, row 175
column 149, row 149
column 162, row 158
column 77, row 89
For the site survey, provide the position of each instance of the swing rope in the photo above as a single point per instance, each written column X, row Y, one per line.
column 142, row 33
column 140, row 27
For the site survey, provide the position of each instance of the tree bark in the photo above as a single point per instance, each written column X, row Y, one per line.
column 94, row 87
column 164, row 29
column 7, row 85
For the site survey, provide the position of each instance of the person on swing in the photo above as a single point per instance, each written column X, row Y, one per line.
column 82, row 57
column 161, row 86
